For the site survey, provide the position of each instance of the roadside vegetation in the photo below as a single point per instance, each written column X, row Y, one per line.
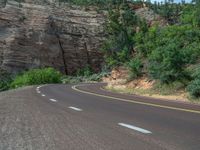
column 168, row 54
column 36, row 76
column 47, row 76
column 5, row 80
column 85, row 75
column 31, row 77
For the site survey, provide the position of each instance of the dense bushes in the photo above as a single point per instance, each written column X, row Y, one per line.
column 86, row 74
column 5, row 80
column 135, row 66
column 194, row 87
column 47, row 76
column 169, row 10
column 85, row 71
column 121, row 27
column 91, row 78
column 169, row 51
column 37, row 76
column 166, row 51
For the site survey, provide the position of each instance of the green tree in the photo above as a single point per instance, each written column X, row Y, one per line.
column 197, row 13
column 121, row 27
column 169, row 50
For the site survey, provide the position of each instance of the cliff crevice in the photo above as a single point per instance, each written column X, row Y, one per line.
column 35, row 35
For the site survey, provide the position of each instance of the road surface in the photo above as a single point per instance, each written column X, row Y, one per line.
column 85, row 117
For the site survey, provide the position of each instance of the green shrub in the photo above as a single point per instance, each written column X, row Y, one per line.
column 168, row 89
column 135, row 68
column 118, row 58
column 166, row 63
column 86, row 71
column 194, row 86
column 71, row 80
column 97, row 77
column 169, row 50
column 77, row 79
column 120, row 28
column 5, row 80
column 37, row 76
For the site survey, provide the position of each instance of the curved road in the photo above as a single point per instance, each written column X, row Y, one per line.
column 86, row 117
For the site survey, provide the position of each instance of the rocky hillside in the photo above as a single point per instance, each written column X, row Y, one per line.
column 36, row 34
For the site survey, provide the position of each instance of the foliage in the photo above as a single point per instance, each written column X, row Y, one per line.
column 135, row 66
column 168, row 89
column 169, row 10
column 5, row 80
column 97, row 76
column 111, row 61
column 169, row 50
column 85, row 74
column 37, row 76
column 91, row 78
column 191, row 15
column 71, row 79
column 86, row 71
column 121, row 27
column 118, row 58
column 196, row 15
column 194, row 86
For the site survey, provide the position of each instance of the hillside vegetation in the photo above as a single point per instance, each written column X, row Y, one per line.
column 166, row 53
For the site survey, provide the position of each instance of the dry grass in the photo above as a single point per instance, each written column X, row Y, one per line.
column 150, row 93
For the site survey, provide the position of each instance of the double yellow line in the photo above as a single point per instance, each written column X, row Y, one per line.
column 135, row 102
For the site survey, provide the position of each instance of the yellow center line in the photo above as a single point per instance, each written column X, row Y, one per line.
column 135, row 102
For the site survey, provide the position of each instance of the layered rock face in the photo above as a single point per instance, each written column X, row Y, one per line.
column 35, row 34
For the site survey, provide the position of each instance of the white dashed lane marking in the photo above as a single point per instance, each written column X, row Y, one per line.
column 38, row 92
column 39, row 87
column 75, row 108
column 135, row 128
column 53, row 100
column 144, row 131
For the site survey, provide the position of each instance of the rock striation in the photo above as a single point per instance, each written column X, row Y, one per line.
column 42, row 33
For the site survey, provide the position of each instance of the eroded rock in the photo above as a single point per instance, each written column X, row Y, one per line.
column 34, row 35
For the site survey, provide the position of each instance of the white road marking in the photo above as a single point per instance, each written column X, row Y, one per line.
column 43, row 95
column 38, row 92
column 53, row 100
column 135, row 128
column 75, row 108
column 39, row 87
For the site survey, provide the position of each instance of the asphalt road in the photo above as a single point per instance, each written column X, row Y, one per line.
column 67, row 117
